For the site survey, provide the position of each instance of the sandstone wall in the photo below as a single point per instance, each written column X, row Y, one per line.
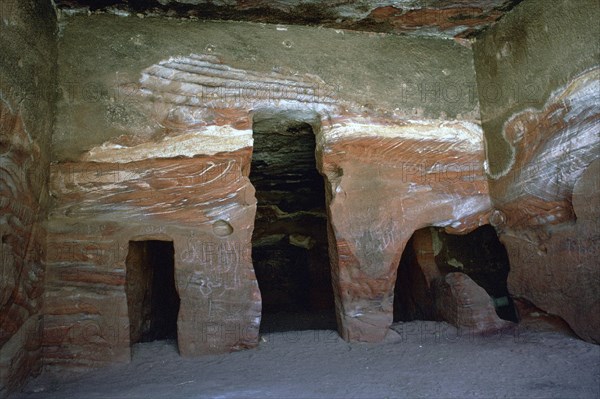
column 27, row 91
column 538, row 78
column 153, row 140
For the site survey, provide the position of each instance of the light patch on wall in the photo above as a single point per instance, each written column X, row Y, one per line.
column 206, row 141
column 465, row 136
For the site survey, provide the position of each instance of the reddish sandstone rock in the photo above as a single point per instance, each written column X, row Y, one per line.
column 534, row 318
column 464, row 304
column 188, row 184
column 101, row 207
column 460, row 18
column 567, row 288
column 413, row 298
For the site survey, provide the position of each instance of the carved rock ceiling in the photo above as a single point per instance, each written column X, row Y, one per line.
column 445, row 18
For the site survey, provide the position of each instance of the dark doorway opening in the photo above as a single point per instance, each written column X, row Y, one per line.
column 152, row 298
column 432, row 252
column 289, row 243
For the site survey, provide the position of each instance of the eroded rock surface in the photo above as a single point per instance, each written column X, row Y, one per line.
column 154, row 144
column 22, row 246
column 205, row 205
column 564, row 259
column 164, row 153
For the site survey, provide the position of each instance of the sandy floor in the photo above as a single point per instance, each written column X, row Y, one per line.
column 420, row 359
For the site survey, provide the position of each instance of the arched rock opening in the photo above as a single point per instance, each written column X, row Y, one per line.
column 461, row 279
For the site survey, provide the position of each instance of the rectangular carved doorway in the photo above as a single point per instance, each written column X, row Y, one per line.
column 289, row 242
column 152, row 300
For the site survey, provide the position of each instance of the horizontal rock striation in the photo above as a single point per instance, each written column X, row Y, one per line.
column 204, row 205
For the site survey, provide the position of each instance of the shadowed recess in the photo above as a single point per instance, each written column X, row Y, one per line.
column 289, row 243
column 152, row 299
column 431, row 254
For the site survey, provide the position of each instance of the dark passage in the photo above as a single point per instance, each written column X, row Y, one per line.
column 413, row 298
column 289, row 243
column 479, row 254
column 152, row 299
